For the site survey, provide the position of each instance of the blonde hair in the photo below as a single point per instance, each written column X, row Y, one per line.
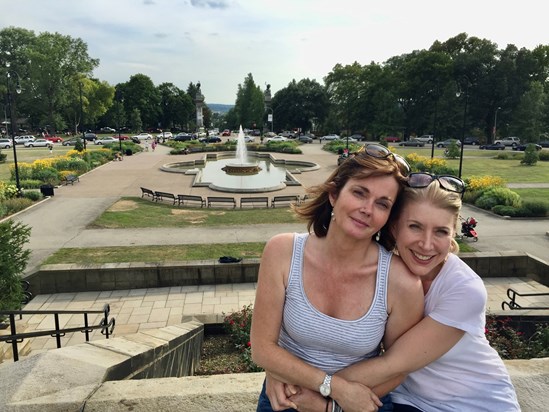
column 317, row 210
column 433, row 194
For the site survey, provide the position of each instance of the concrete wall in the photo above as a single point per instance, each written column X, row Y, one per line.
column 114, row 276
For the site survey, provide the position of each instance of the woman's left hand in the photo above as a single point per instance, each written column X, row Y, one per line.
column 307, row 400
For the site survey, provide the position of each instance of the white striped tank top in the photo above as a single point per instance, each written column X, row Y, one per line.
column 325, row 342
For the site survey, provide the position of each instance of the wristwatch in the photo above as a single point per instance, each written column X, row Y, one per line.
column 325, row 388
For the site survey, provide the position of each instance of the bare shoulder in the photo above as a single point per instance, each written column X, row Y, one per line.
column 401, row 278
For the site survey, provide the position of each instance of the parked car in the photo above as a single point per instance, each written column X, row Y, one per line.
column 71, row 142
column 249, row 139
column 305, row 139
column 39, row 143
column 276, row 139
column 448, row 142
column 106, row 140
column 426, row 138
column 90, row 137
column 330, row 137
column 122, row 137
column 522, row 147
column 165, row 135
column 349, row 139
column 107, row 130
column 492, row 146
column 544, row 143
column 54, row 139
column 5, row 143
column 412, row 142
column 472, row 140
column 183, row 137
column 226, row 132
column 144, row 136
column 509, row 141
column 23, row 139
column 392, row 139
column 210, row 139
column 358, row 137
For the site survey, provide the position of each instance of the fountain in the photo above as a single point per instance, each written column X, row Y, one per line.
column 242, row 166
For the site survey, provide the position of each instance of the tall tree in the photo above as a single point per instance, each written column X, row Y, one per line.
column 141, row 94
column 249, row 107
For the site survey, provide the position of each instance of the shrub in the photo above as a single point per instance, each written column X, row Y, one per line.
column 13, row 261
column 453, row 151
column 7, row 190
column 543, row 156
column 506, row 210
column 426, row 164
column 502, row 156
column 47, row 175
column 498, row 196
column 32, row 195
column 15, row 205
column 530, row 156
column 536, row 209
column 238, row 325
column 484, row 182
column 30, row 183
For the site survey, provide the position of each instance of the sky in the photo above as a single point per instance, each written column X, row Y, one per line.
column 219, row 42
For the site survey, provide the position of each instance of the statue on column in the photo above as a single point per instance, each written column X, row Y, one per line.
column 199, row 102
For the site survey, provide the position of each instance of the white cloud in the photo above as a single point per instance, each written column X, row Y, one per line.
column 220, row 41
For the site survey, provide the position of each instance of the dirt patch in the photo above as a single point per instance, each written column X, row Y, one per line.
column 123, row 206
column 194, row 217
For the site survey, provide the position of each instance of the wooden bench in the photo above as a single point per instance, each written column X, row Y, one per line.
column 164, row 195
column 147, row 192
column 263, row 200
column 70, row 179
column 181, row 199
column 221, row 199
column 285, row 199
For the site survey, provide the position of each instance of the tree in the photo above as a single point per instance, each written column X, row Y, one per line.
column 141, row 94
column 13, row 261
column 531, row 156
column 528, row 116
column 249, row 106
column 135, row 120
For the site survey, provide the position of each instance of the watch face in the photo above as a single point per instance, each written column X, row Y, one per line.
column 325, row 390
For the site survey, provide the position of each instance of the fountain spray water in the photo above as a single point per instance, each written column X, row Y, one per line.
column 241, row 150
column 241, row 166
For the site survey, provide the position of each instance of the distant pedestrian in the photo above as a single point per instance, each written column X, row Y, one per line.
column 51, row 149
column 153, row 145
column 146, row 146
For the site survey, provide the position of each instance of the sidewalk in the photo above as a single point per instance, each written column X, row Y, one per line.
column 62, row 220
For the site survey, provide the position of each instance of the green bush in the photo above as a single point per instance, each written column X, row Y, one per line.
column 453, row 151
column 498, row 196
column 503, row 210
column 535, row 209
column 13, row 261
column 238, row 325
column 502, row 156
column 32, row 195
column 543, row 155
column 530, row 155
column 46, row 175
column 15, row 205
column 31, row 184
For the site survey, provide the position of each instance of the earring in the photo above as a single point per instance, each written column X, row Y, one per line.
column 395, row 251
column 332, row 215
column 378, row 236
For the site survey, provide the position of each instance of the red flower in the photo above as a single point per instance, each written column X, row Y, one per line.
column 249, row 344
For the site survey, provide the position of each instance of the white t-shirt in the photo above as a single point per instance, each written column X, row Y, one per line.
column 471, row 376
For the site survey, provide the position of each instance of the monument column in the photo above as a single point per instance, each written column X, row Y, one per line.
column 199, row 102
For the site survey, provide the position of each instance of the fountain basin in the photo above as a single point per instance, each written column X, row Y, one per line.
column 241, row 169
column 275, row 174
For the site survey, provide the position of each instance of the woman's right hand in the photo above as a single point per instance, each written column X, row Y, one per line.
column 357, row 397
column 278, row 393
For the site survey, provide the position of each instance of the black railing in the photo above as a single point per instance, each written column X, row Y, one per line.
column 513, row 305
column 106, row 326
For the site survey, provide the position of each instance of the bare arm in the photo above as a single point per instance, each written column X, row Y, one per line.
column 267, row 319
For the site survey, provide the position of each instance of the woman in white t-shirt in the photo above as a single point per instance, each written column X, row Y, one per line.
column 445, row 362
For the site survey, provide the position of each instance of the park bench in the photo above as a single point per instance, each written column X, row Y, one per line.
column 221, row 199
column 164, row 195
column 147, row 192
column 287, row 199
column 253, row 200
column 181, row 199
column 70, row 179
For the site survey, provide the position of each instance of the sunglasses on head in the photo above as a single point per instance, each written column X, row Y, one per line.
column 446, row 182
column 381, row 152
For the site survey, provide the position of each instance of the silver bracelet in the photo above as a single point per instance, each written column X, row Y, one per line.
column 336, row 407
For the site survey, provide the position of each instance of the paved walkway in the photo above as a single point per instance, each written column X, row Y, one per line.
column 62, row 221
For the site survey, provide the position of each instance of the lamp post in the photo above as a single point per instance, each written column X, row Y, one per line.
column 495, row 124
column 12, row 123
column 82, row 116
column 466, row 93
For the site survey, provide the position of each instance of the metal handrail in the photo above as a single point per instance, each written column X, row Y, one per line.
column 513, row 305
column 106, row 326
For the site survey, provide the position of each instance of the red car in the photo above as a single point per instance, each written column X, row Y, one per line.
column 226, row 132
column 122, row 137
column 54, row 139
column 392, row 139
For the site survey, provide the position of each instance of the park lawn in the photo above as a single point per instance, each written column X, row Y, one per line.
column 131, row 212
column 533, row 195
column 161, row 253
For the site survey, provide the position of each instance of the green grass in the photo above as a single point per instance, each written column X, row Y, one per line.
column 163, row 253
column 533, row 195
column 131, row 212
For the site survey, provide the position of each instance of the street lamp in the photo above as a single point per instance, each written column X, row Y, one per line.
column 495, row 124
column 82, row 116
column 12, row 122
column 466, row 93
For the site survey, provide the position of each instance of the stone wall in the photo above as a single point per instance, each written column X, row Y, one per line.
column 115, row 276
